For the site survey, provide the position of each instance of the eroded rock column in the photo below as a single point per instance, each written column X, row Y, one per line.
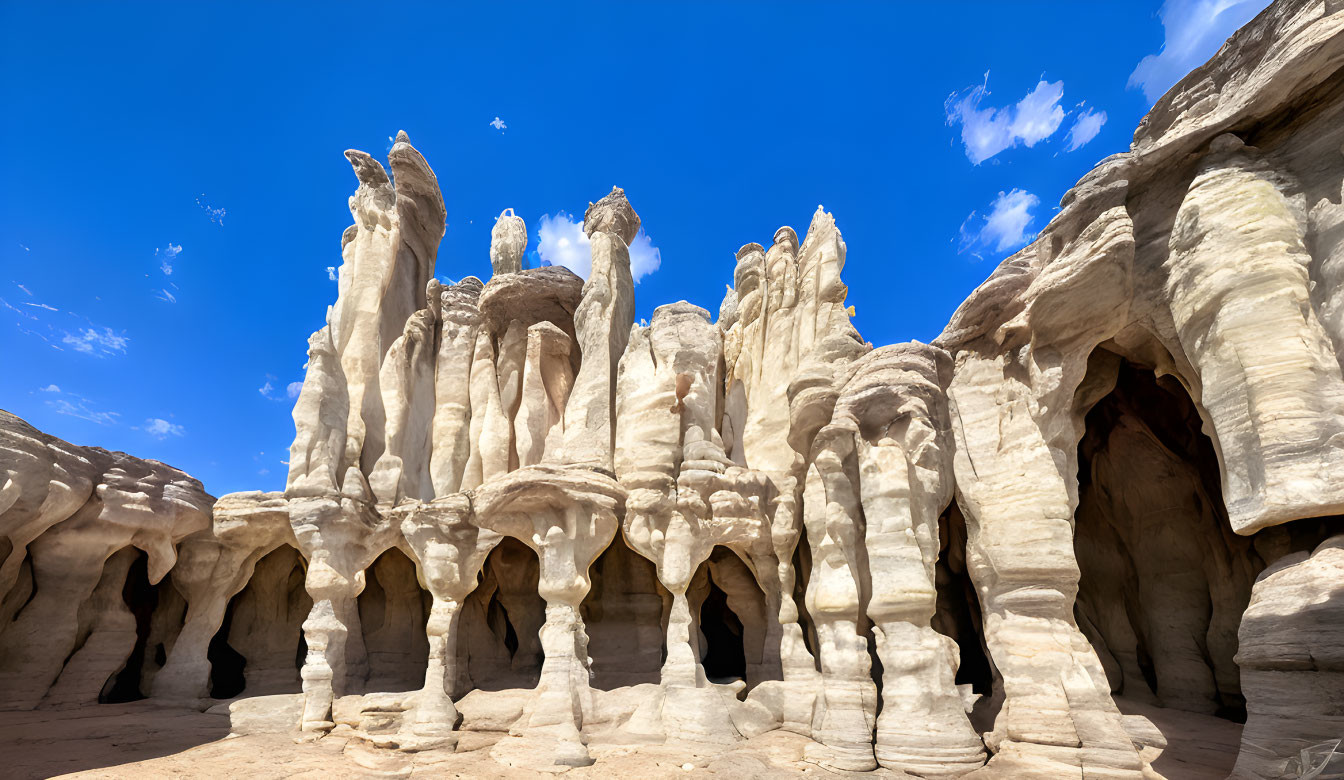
column 602, row 324
column 450, row 551
column 1238, row 281
column 568, row 516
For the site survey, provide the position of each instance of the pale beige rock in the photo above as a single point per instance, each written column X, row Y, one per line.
column 602, row 326
column 508, row 242
column 450, row 442
column 1292, row 659
column 1113, row 481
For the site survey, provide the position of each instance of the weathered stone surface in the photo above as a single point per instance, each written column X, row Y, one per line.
column 515, row 519
column 508, row 242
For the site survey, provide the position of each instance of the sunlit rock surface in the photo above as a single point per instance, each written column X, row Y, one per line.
column 1105, row 500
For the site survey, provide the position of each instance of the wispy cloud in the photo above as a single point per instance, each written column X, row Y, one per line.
column 1194, row 30
column 26, row 249
column 498, row 124
column 17, row 310
column 987, row 131
column 563, row 242
column 164, row 295
column 1084, row 129
column 26, row 291
column 1006, row 227
column 268, row 391
column 216, row 215
column 331, row 273
column 78, row 406
column 167, row 256
column 40, row 306
column 92, row 341
column 162, row 429
column 293, row 389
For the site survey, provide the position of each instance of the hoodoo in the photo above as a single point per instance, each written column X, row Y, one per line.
column 1109, row 493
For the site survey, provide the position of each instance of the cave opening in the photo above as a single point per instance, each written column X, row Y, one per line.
column 141, row 598
column 227, row 679
column 498, row 634
column 958, row 613
column 259, row 647
column 729, row 610
column 1164, row 580
column 625, row 614
column 393, row 612
column 723, row 657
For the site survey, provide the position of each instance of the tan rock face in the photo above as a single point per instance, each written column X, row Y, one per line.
column 1117, row 476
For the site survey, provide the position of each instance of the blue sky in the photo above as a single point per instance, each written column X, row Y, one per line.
column 175, row 192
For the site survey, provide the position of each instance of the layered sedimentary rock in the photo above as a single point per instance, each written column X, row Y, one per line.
column 75, row 520
column 1114, row 477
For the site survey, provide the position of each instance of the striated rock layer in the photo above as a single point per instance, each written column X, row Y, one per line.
column 1116, row 475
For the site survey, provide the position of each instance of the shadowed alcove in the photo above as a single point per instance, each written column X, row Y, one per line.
column 393, row 611
column 728, row 607
column 1164, row 580
column 498, row 642
column 625, row 614
column 259, row 648
column 159, row 611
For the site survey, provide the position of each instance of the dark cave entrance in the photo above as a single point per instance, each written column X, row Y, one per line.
column 728, row 609
column 1164, row 580
column 259, row 648
column 958, row 613
column 625, row 614
column 393, row 613
column 498, row 632
column 724, row 658
column 143, row 600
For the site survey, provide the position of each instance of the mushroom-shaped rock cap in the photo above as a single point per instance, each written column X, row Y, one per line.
column 787, row 235
column 612, row 214
column 549, row 294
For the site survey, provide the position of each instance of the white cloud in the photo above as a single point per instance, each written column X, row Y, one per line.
column 293, row 388
column 1194, row 30
column 41, row 306
column 162, row 429
column 263, row 472
column 91, row 341
column 26, row 291
column 987, row 131
column 498, row 124
column 26, row 249
column 216, row 215
column 51, row 389
column 1084, row 129
column 644, row 256
column 1005, row 228
column 167, row 296
column 268, row 391
column 331, row 272
column 81, row 410
column 167, row 256
column 563, row 242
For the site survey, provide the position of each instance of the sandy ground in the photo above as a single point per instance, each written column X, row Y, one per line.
column 143, row 741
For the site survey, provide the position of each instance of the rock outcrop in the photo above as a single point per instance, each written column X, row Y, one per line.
column 1116, row 476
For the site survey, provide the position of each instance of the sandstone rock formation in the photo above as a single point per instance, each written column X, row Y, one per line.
column 1116, row 476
